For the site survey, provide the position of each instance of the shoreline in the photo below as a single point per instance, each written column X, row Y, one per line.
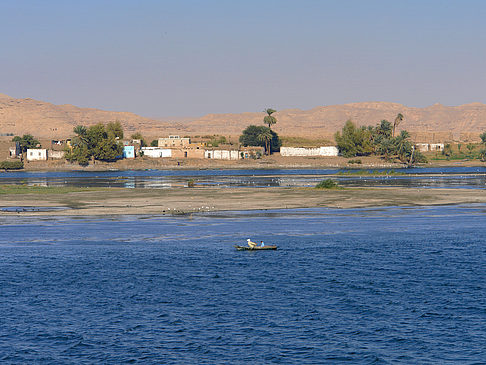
column 183, row 201
column 274, row 161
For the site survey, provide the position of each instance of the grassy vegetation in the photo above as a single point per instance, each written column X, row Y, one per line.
column 327, row 184
column 456, row 151
column 36, row 189
column 11, row 165
column 371, row 173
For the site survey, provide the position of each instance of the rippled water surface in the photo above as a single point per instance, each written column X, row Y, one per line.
column 448, row 177
column 393, row 285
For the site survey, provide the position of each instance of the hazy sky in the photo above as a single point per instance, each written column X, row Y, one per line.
column 189, row 58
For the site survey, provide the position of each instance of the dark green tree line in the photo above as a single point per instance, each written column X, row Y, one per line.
column 261, row 136
column 379, row 140
column 97, row 142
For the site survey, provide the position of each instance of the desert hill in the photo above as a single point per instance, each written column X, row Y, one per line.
column 46, row 120
column 435, row 123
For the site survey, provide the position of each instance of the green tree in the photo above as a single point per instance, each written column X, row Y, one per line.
column 249, row 137
column 396, row 122
column 265, row 136
column 403, row 146
column 138, row 135
column 95, row 142
column 269, row 119
column 353, row 141
column 154, row 143
column 80, row 130
column 384, row 129
column 26, row 141
column 447, row 151
column 386, row 148
column 115, row 129
column 483, row 137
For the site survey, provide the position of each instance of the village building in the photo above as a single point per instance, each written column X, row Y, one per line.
column 156, row 152
column 55, row 155
column 36, row 154
column 15, row 152
column 430, row 147
column 174, row 142
column 128, row 151
column 251, row 152
column 194, row 152
column 222, row 154
column 302, row 151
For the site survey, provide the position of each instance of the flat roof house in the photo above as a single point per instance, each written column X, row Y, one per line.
column 36, row 154
column 174, row 142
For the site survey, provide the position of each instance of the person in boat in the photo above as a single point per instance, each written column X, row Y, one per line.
column 251, row 244
column 262, row 244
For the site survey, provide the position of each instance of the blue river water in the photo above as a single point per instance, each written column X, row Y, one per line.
column 448, row 177
column 388, row 285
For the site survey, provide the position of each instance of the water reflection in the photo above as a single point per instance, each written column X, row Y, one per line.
column 458, row 177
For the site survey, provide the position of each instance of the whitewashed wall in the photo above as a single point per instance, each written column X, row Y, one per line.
column 156, row 152
column 426, row 147
column 36, row 154
column 301, row 151
column 56, row 154
column 222, row 154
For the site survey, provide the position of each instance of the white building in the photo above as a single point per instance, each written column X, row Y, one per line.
column 301, row 151
column 428, row 147
column 37, row 154
column 156, row 152
column 222, row 154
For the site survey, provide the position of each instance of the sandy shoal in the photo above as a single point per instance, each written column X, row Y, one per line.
column 118, row 201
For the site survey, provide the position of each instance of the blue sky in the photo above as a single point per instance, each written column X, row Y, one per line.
column 189, row 58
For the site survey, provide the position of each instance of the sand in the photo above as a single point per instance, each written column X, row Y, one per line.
column 119, row 201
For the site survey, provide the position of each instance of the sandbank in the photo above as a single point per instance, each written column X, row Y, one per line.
column 183, row 200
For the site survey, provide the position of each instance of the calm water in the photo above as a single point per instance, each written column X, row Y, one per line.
column 449, row 177
column 393, row 285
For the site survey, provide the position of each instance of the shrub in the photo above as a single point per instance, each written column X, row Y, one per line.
column 11, row 165
column 191, row 183
column 419, row 157
column 327, row 184
column 357, row 161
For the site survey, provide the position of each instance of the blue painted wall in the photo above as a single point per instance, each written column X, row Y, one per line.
column 128, row 152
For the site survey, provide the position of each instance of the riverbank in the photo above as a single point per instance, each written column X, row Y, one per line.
column 267, row 162
column 120, row 201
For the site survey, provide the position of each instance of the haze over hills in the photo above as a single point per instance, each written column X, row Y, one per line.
column 432, row 124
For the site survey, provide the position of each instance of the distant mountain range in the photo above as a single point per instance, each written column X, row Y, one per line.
column 431, row 124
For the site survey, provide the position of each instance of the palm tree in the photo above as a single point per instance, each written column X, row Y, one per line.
column 403, row 145
column 396, row 122
column 80, row 130
column 386, row 148
column 269, row 119
column 265, row 136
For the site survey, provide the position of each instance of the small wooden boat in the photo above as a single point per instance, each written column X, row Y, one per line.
column 257, row 248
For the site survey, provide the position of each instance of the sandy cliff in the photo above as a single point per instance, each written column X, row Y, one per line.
column 433, row 123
